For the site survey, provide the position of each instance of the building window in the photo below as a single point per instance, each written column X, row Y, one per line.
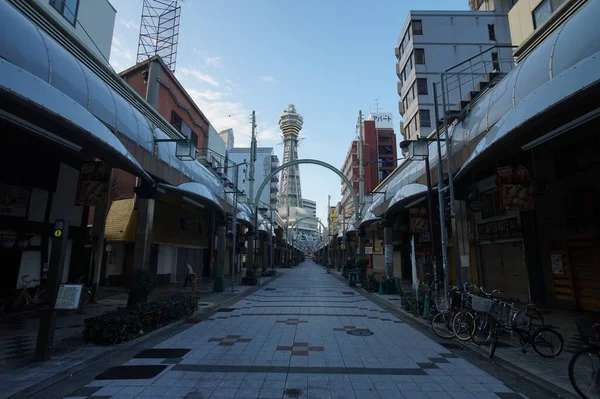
column 410, row 96
column 67, row 8
column 491, row 32
column 425, row 119
column 541, row 13
column 422, row 86
column 417, row 27
column 495, row 62
column 492, row 206
column 419, row 56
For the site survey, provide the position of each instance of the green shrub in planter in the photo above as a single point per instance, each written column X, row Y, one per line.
column 124, row 324
column 140, row 284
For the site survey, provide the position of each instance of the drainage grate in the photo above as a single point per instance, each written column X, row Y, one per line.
column 131, row 373
column 161, row 353
column 348, row 293
column 292, row 392
column 226, row 310
column 360, row 332
column 270, row 289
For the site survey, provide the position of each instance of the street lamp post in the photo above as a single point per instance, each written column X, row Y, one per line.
column 419, row 149
column 236, row 194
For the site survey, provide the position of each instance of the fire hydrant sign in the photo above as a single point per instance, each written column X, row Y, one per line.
column 68, row 297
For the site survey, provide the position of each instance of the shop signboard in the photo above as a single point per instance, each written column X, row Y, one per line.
column 93, row 184
column 418, row 220
column 499, row 229
column 68, row 297
column 557, row 264
column 14, row 200
column 382, row 120
column 515, row 188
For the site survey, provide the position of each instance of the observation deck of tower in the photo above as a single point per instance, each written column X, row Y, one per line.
column 290, row 123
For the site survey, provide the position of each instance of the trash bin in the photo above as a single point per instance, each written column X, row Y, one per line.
column 353, row 278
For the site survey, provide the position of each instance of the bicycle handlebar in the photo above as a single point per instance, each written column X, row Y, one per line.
column 24, row 279
column 483, row 291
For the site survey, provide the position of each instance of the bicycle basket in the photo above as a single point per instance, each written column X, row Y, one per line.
column 584, row 326
column 442, row 304
column 481, row 304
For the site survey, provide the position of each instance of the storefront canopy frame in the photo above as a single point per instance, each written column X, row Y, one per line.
column 195, row 192
column 576, row 40
column 80, row 130
column 42, row 55
column 406, row 195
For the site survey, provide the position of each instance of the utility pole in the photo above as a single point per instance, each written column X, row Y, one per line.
column 251, row 199
column 329, row 229
column 361, row 164
column 361, row 184
column 443, row 237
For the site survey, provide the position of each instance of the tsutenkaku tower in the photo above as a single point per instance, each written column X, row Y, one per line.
column 290, row 123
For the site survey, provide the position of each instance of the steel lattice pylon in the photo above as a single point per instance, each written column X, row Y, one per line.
column 159, row 31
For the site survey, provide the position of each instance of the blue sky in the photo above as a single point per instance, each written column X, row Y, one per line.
column 331, row 58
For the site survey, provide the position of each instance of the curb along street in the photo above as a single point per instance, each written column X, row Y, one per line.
column 84, row 372
column 478, row 356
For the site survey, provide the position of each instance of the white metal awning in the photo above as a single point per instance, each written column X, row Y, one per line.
column 77, row 129
column 551, row 93
column 406, row 196
column 196, row 192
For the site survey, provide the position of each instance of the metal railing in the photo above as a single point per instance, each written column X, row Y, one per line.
column 466, row 75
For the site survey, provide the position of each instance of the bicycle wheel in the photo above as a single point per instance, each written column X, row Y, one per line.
column 584, row 372
column 463, row 325
column 483, row 331
column 493, row 343
column 15, row 305
column 547, row 342
column 442, row 325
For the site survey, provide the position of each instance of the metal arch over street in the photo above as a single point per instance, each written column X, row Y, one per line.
column 298, row 162
column 295, row 224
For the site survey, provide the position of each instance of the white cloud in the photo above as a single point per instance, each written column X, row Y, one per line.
column 190, row 71
column 267, row 79
column 129, row 24
column 206, row 94
column 268, row 135
column 213, row 61
column 121, row 57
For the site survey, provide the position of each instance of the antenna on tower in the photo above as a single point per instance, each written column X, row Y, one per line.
column 159, row 31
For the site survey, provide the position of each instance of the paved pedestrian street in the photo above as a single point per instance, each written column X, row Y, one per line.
column 304, row 335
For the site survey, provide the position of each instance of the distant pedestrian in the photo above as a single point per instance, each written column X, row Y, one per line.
column 191, row 275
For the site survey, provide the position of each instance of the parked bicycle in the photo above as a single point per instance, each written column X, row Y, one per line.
column 447, row 310
column 584, row 367
column 546, row 341
column 23, row 299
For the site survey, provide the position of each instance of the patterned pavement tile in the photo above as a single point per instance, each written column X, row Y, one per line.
column 292, row 336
